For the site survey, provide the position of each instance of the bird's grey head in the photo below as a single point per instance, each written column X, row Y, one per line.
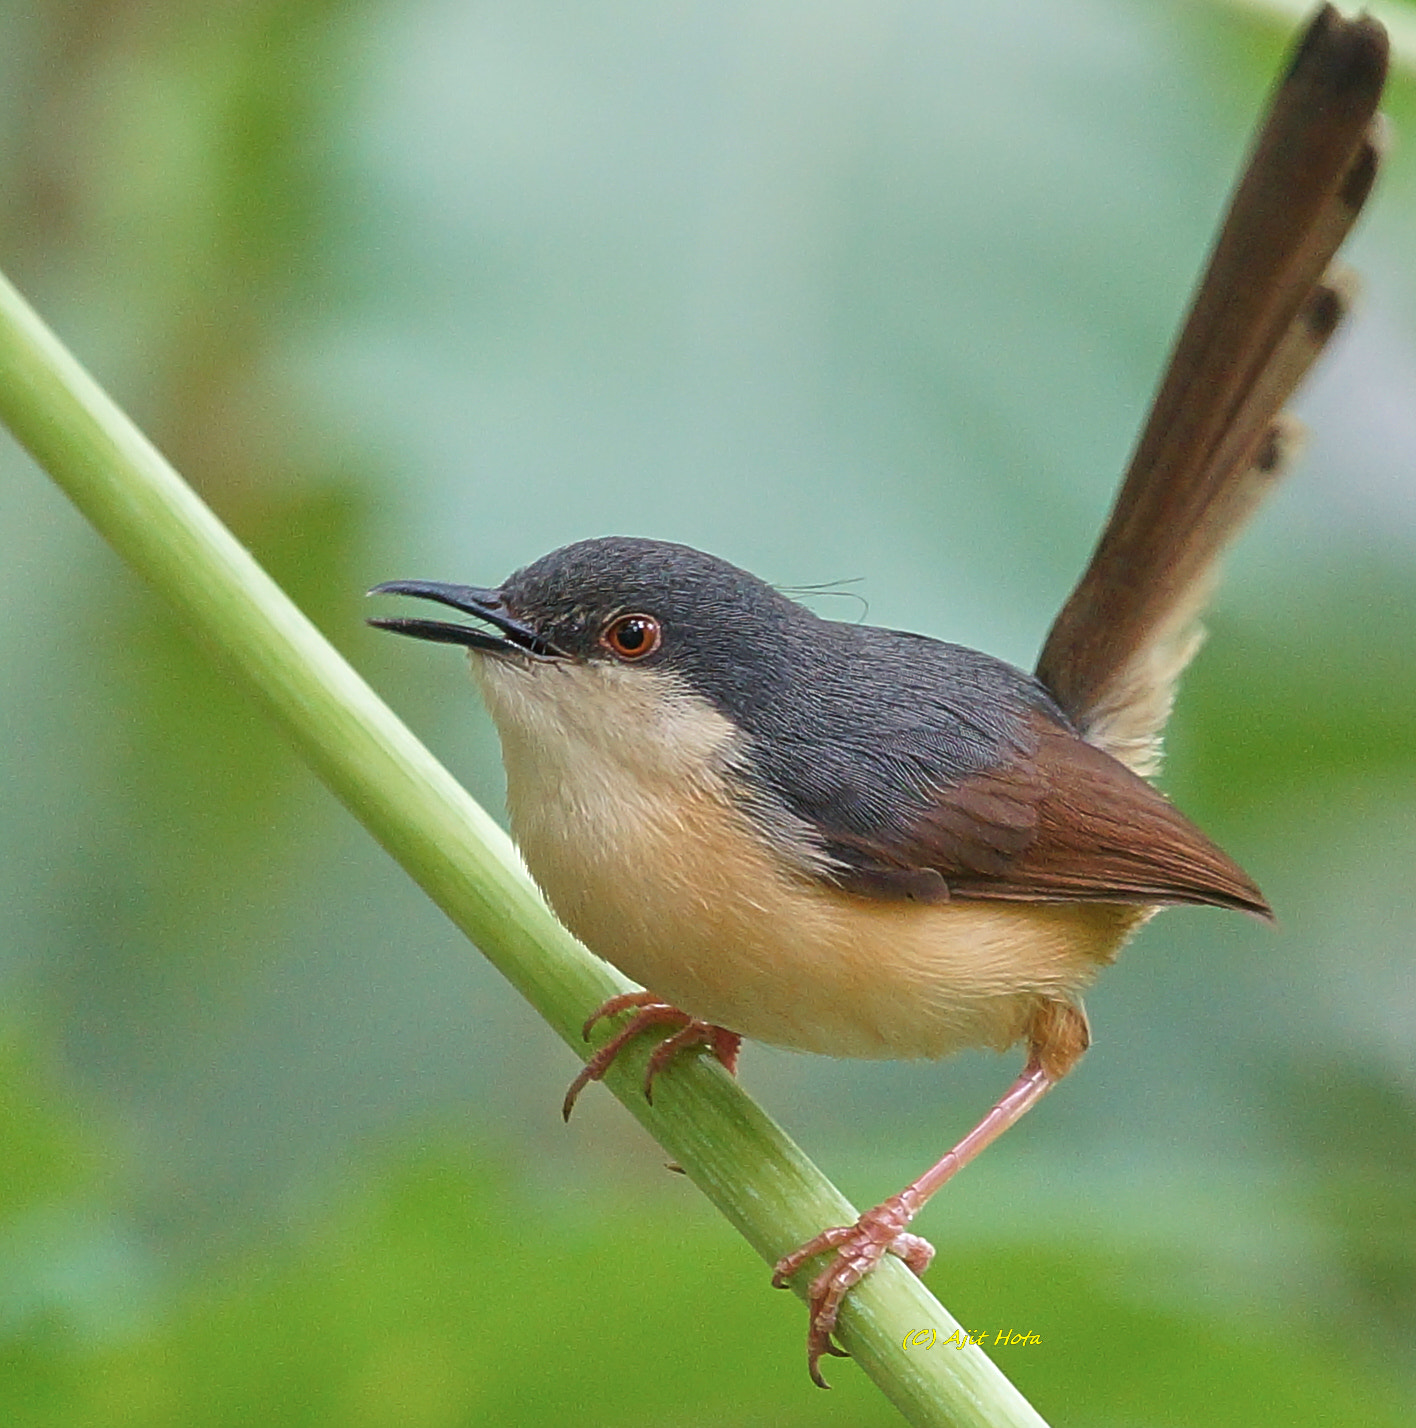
column 627, row 603
column 622, row 674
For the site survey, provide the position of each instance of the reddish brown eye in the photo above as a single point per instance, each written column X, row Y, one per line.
column 632, row 636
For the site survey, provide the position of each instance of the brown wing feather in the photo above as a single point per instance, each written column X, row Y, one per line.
column 1103, row 834
column 1061, row 822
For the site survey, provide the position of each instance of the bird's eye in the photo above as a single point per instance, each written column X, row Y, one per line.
column 632, row 637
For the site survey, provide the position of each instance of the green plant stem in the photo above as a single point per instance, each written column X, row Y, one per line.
column 755, row 1175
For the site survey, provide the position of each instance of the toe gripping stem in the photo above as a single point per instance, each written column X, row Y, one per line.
column 650, row 1011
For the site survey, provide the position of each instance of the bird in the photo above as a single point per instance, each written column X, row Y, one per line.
column 863, row 842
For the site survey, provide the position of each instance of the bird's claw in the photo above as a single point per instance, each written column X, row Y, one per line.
column 650, row 1011
column 857, row 1249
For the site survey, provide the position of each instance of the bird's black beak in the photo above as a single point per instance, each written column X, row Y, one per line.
column 514, row 637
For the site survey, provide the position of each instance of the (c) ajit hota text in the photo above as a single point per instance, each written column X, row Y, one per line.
column 927, row 1338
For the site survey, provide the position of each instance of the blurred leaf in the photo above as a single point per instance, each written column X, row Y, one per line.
column 1327, row 696
column 447, row 1295
column 1353, row 1142
column 43, row 1158
column 1120, row 1346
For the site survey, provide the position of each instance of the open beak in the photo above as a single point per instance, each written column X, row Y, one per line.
column 512, row 637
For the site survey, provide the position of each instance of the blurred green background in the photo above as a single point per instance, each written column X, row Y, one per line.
column 844, row 291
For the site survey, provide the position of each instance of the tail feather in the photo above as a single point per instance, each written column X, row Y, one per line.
column 1216, row 440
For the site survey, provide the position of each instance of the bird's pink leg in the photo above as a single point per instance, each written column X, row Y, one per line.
column 861, row 1246
column 1058, row 1037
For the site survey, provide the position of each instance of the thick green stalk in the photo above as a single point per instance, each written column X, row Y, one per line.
column 458, row 855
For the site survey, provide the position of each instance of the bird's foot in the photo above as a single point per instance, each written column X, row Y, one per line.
column 651, row 1011
column 858, row 1248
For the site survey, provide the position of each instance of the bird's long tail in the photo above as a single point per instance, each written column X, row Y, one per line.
column 1217, row 438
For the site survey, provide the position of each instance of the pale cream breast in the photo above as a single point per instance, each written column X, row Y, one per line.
column 619, row 800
